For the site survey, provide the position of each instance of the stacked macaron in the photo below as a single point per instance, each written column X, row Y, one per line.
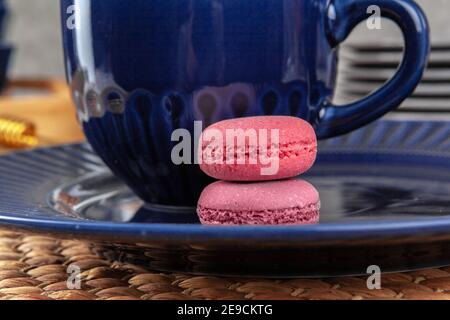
column 256, row 158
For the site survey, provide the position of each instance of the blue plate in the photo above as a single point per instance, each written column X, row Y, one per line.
column 385, row 193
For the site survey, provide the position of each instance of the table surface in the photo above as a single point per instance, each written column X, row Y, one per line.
column 36, row 267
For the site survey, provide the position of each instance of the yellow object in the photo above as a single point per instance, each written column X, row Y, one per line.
column 47, row 106
column 15, row 133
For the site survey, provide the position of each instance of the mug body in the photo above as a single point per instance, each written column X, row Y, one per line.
column 141, row 69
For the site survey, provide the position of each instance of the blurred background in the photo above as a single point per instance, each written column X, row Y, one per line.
column 35, row 106
column 34, row 29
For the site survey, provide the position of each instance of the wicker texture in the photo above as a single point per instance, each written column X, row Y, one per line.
column 35, row 267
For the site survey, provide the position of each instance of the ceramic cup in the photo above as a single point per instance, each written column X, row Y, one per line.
column 141, row 69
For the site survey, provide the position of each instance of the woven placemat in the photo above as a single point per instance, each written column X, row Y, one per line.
column 35, row 267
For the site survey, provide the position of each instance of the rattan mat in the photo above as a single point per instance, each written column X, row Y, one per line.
column 35, row 267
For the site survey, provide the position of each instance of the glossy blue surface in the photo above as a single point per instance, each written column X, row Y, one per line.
column 384, row 192
column 5, row 48
column 5, row 57
column 138, row 71
column 412, row 22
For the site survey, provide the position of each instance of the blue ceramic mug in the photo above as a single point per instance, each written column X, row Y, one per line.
column 141, row 69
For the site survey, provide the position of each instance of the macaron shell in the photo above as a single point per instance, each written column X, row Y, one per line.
column 292, row 129
column 297, row 149
column 275, row 202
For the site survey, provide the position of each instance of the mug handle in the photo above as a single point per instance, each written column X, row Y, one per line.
column 342, row 17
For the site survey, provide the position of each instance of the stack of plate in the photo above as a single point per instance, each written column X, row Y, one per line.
column 370, row 57
column 365, row 68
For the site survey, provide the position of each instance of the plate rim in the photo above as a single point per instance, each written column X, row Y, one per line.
column 193, row 232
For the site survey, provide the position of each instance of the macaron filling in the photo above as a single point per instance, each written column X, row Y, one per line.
column 243, row 154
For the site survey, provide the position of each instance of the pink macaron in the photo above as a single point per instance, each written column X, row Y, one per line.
column 257, row 148
column 285, row 202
